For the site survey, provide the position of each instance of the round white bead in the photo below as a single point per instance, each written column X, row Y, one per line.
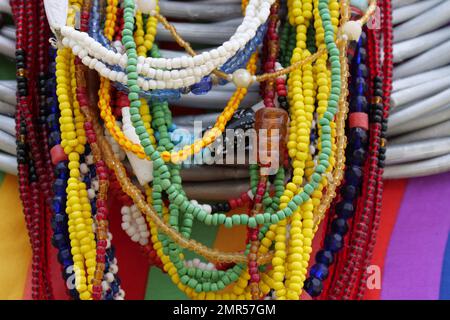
column 207, row 208
column 86, row 60
column 145, row 86
column 143, row 241
column 84, row 168
column 113, row 75
column 113, row 268
column 166, row 75
column 146, row 6
column 76, row 49
column 135, row 237
column 125, row 210
column 352, row 30
column 109, row 277
column 131, row 231
column 176, row 62
column 110, row 57
column 123, row 61
column 105, row 285
column 136, row 214
column 91, row 193
column 65, row 42
column 90, row 159
column 214, row 54
column 242, row 78
column 140, row 220
column 169, row 64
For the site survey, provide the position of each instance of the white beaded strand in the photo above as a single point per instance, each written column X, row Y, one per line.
column 194, row 68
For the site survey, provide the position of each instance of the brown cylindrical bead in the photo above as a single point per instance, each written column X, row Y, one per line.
column 271, row 125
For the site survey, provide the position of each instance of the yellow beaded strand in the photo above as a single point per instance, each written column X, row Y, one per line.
column 144, row 41
column 111, row 18
column 139, row 34
column 150, row 33
column 147, row 119
column 287, row 263
column 73, row 140
column 308, row 227
column 302, row 89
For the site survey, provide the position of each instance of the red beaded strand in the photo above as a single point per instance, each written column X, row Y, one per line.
column 101, row 170
column 252, row 238
column 270, row 56
column 33, row 176
column 387, row 90
column 46, row 179
column 352, row 279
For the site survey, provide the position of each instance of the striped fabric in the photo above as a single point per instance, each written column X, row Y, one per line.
column 413, row 249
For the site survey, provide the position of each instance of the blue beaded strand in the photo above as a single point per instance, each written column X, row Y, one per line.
column 355, row 155
column 59, row 221
column 95, row 26
column 241, row 58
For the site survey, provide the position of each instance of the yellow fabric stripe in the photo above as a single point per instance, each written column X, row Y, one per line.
column 15, row 251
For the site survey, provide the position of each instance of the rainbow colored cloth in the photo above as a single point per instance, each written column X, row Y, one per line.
column 412, row 252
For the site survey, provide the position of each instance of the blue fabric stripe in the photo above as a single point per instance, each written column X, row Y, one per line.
column 444, row 292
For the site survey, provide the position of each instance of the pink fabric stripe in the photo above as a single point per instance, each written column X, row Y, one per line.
column 415, row 255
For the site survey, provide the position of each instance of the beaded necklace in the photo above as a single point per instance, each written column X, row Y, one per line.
column 219, row 56
column 352, row 277
column 188, row 276
column 288, row 220
column 387, row 90
column 105, row 282
column 358, row 126
column 73, row 141
column 35, row 184
column 298, row 238
column 45, row 179
column 380, row 105
column 268, row 94
column 60, row 237
column 192, row 281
